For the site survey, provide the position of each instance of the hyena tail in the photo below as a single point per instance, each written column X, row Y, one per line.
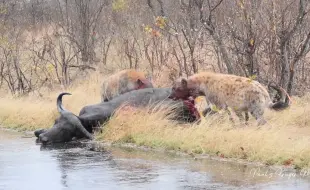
column 278, row 106
column 281, row 104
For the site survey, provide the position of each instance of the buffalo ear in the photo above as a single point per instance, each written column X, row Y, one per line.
column 184, row 83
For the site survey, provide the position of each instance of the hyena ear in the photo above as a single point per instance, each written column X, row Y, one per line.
column 184, row 83
column 139, row 82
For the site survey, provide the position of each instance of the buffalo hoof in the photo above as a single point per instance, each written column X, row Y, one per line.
column 39, row 132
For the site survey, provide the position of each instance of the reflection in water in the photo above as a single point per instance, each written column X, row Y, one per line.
column 25, row 165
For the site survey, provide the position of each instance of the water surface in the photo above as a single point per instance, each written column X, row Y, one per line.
column 26, row 165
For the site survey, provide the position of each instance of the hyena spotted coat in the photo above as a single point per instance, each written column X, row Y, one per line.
column 241, row 94
column 122, row 82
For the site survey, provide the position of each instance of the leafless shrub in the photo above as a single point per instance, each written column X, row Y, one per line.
column 266, row 40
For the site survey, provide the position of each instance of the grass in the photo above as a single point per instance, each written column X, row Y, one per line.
column 284, row 141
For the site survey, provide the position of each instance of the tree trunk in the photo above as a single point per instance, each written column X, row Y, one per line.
column 290, row 83
column 285, row 70
column 224, row 53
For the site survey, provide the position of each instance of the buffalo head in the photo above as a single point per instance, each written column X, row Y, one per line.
column 65, row 127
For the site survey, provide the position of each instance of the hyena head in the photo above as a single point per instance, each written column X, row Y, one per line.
column 123, row 82
column 143, row 83
column 184, row 88
column 138, row 81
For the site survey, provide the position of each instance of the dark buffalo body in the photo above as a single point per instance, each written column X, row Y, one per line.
column 69, row 125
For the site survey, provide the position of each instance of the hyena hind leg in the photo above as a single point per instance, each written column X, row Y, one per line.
column 241, row 118
column 258, row 115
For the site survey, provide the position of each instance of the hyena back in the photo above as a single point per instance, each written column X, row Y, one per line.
column 122, row 82
column 241, row 94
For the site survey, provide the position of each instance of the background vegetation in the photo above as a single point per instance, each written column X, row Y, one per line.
column 47, row 44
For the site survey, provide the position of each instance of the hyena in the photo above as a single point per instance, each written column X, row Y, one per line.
column 122, row 82
column 241, row 94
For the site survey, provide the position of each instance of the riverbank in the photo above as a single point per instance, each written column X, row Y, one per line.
column 103, row 146
column 284, row 141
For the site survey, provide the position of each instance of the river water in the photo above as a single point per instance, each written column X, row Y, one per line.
column 25, row 165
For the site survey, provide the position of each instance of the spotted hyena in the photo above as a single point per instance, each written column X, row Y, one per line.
column 241, row 94
column 122, row 82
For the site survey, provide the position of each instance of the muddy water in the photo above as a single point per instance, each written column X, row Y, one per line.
column 25, row 165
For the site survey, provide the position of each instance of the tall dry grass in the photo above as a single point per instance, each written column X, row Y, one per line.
column 33, row 112
column 286, row 137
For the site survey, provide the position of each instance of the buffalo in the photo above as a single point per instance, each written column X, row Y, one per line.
column 69, row 125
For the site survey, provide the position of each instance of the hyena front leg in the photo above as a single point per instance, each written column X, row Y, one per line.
column 246, row 117
column 240, row 116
